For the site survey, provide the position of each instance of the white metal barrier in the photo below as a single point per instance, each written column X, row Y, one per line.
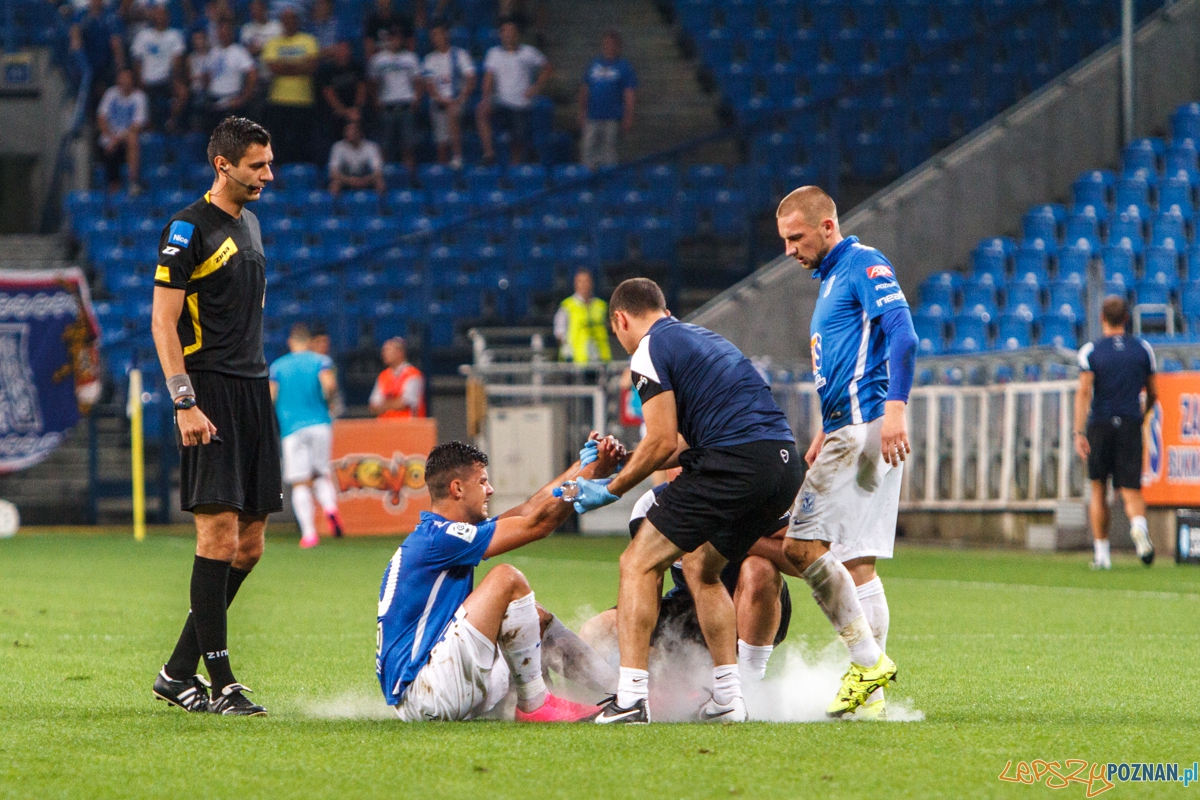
column 999, row 447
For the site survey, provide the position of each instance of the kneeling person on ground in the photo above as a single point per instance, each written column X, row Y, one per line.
column 438, row 633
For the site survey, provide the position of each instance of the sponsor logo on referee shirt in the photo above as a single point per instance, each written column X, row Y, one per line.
column 180, row 233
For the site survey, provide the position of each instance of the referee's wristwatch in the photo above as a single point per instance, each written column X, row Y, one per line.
column 184, row 403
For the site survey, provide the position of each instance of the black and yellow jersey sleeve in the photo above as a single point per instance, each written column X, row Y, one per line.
column 179, row 249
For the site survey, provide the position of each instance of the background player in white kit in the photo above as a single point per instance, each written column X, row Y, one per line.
column 304, row 388
column 863, row 350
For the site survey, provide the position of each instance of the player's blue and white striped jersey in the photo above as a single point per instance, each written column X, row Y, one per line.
column 849, row 350
column 426, row 581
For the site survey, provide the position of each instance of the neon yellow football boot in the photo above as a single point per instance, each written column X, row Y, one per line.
column 858, row 683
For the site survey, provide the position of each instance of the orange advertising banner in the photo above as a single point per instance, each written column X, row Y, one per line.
column 1171, row 465
column 379, row 472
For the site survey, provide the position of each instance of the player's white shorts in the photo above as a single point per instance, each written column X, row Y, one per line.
column 306, row 453
column 850, row 495
column 464, row 678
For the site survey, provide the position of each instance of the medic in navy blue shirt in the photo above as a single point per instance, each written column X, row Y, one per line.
column 863, row 348
column 708, row 411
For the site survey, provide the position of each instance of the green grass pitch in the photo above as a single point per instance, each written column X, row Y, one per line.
column 1011, row 657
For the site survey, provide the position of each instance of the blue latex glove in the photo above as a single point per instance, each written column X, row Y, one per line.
column 593, row 495
column 589, row 453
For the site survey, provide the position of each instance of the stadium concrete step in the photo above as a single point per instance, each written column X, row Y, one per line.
column 33, row 251
column 672, row 107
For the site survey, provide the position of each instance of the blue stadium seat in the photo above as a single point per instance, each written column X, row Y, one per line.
column 566, row 173
column 362, row 202
column 783, row 15
column 705, row 177
column 728, row 214
column 295, row 177
column 1142, row 154
column 1133, row 192
column 1066, row 295
column 970, row 334
column 406, row 202
column 526, row 179
column 930, row 336
column 979, row 299
column 937, row 294
column 1191, row 260
column 1175, row 197
column 1093, row 187
column 1185, row 122
column 1118, row 261
column 1152, row 293
column 1181, row 157
column 991, row 262
column 694, row 15
column 483, row 178
column 451, row 204
column 1038, row 224
column 934, row 310
column 1058, row 331
column 1162, row 266
column 655, row 239
column 396, row 176
column 1190, row 304
column 1013, row 332
column 1025, row 296
column 1083, row 228
column 1031, row 261
column 612, row 236
column 1127, row 231
column 436, row 177
column 1168, row 231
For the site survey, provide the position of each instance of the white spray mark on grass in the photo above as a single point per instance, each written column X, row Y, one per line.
column 348, row 705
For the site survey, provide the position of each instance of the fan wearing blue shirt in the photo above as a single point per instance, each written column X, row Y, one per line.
column 439, row 634
column 708, row 410
column 304, row 389
column 863, row 348
column 606, row 100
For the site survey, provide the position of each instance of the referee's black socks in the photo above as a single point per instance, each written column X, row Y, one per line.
column 214, row 585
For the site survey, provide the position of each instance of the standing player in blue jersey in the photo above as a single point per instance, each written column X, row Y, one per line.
column 439, row 633
column 709, row 411
column 844, row 517
column 304, row 389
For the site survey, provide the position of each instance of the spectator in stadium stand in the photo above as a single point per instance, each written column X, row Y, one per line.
column 231, row 76
column 449, row 76
column 292, row 62
column 381, row 20
column 606, row 99
column 513, row 75
column 259, row 29
column 395, row 75
column 158, row 53
column 399, row 391
column 121, row 116
column 342, row 84
column 192, row 95
column 101, row 33
column 324, row 26
column 1113, row 372
column 581, row 324
column 355, row 163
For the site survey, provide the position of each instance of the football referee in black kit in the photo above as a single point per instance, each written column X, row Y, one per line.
column 209, row 288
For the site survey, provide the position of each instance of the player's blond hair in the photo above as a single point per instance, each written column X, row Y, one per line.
column 810, row 201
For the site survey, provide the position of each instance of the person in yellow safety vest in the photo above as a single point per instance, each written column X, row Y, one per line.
column 581, row 324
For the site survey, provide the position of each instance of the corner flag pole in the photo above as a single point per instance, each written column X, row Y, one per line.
column 138, row 454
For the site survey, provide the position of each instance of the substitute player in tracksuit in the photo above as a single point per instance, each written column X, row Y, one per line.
column 844, row 517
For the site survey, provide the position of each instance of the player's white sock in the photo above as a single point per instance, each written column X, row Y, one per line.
column 573, row 658
column 834, row 590
column 1102, row 552
column 521, row 643
column 875, row 608
column 632, row 685
column 752, row 659
column 302, row 504
column 727, row 684
column 326, row 494
column 1140, row 533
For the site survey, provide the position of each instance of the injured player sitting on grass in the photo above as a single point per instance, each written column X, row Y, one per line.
column 761, row 602
column 448, row 650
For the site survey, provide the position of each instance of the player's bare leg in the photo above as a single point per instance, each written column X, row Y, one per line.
column 1098, row 515
column 642, row 566
column 304, row 507
column 718, row 621
column 571, row 656
column 326, row 495
column 875, row 607
column 834, row 590
column 1135, row 509
column 502, row 608
column 756, row 601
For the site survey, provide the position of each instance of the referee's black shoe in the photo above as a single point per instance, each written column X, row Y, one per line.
column 232, row 703
column 612, row 714
column 190, row 694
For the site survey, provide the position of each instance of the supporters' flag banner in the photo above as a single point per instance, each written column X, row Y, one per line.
column 49, row 361
column 1171, row 466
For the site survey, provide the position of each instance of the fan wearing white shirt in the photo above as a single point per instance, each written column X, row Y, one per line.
column 121, row 116
column 449, row 78
column 260, row 29
column 355, row 163
column 396, row 86
column 158, row 55
column 232, row 75
column 513, row 75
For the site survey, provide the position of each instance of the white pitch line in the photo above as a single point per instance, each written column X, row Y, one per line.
column 1026, row 587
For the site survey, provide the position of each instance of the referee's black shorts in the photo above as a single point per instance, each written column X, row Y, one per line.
column 728, row 496
column 1116, row 451
column 242, row 471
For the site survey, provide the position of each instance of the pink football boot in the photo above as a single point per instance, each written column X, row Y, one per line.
column 556, row 709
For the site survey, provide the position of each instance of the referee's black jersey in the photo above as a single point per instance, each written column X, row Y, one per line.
column 218, row 261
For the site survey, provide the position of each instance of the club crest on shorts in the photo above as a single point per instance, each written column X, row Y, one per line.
column 808, row 503
column 785, row 455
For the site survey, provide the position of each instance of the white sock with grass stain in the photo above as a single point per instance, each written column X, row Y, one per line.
column 520, row 642
column 834, row 590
